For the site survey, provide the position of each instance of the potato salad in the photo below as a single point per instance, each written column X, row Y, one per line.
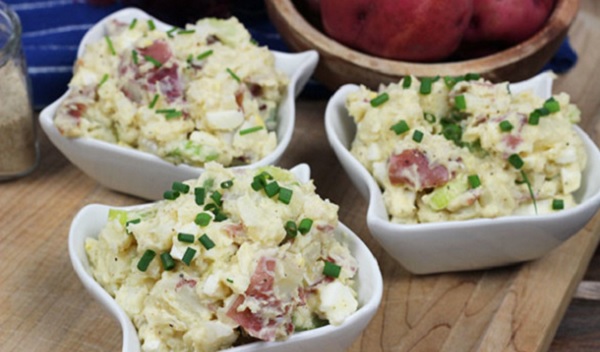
column 190, row 95
column 457, row 148
column 235, row 256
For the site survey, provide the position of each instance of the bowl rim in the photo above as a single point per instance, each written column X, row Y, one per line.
column 130, row 340
column 562, row 16
column 375, row 199
column 304, row 64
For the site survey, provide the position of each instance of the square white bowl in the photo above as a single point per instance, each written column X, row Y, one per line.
column 470, row 244
column 91, row 219
column 146, row 175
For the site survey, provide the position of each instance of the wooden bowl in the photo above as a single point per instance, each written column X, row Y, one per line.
column 338, row 64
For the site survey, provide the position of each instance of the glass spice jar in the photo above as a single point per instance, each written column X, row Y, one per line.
column 19, row 152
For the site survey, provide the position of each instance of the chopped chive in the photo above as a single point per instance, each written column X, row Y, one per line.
column 188, row 256
column 407, row 82
column 171, row 31
column 472, row 76
column 305, row 225
column 400, row 127
column 186, row 31
column 534, row 118
column 153, row 102
column 474, row 181
column 285, row 195
column 526, row 180
column 426, row 84
column 165, row 111
column 153, row 61
column 103, row 80
column 331, row 269
column 229, row 280
column 212, row 207
column 451, row 81
column 145, row 260
column 203, row 219
column 180, row 187
column 206, row 241
column 151, row 25
column 417, row 136
column 170, row 195
column 233, row 75
column 200, row 194
column 227, row 184
column 505, row 126
column 133, row 23
column 516, row 161
column 204, row 55
column 429, row 117
column 260, row 181
column 558, row 204
column 290, row 229
column 543, row 111
column 250, row 130
column 173, row 115
column 111, row 48
column 186, row 237
column 134, row 221
column 552, row 105
column 220, row 216
column 216, row 197
column 190, row 58
column 272, row 189
column 134, row 57
column 167, row 261
column 380, row 99
column 460, row 102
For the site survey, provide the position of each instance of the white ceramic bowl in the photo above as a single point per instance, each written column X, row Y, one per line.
column 472, row 244
column 146, row 175
column 91, row 219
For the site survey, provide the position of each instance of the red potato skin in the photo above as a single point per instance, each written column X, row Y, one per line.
column 410, row 30
column 507, row 21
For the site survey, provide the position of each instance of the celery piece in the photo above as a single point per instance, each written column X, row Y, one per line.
column 120, row 215
column 442, row 196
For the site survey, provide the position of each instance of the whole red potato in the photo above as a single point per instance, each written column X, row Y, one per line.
column 507, row 21
column 410, row 30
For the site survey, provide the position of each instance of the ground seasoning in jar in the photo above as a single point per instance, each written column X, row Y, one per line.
column 18, row 145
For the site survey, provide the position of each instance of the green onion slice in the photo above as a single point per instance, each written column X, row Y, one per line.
column 380, row 99
column 111, row 48
column 145, row 260
column 170, row 195
column 558, row 204
column 103, row 80
column 516, row 161
column 429, row 117
column 460, row 102
column 203, row 219
column 534, row 118
column 285, row 195
column 216, row 197
column 331, row 269
column 250, row 130
column 151, row 25
column 400, row 127
column 171, row 31
column 206, row 241
column 417, row 136
column 526, row 180
column 134, row 57
column 173, row 115
column 188, row 256
column 167, row 261
column 552, row 105
column 272, row 189
column 200, row 194
column 305, row 226
column 134, row 221
column 220, row 216
column 426, row 84
column 227, row 184
column 186, row 31
column 407, row 82
column 180, row 187
column 186, row 237
column 474, row 181
column 290, row 229
column 472, row 76
column 506, row 126
column 133, row 23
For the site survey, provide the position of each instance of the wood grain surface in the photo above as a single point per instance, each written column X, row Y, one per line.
column 525, row 307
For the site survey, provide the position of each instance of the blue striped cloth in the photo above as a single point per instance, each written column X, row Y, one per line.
column 52, row 30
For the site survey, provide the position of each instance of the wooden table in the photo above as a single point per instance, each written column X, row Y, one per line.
column 526, row 307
